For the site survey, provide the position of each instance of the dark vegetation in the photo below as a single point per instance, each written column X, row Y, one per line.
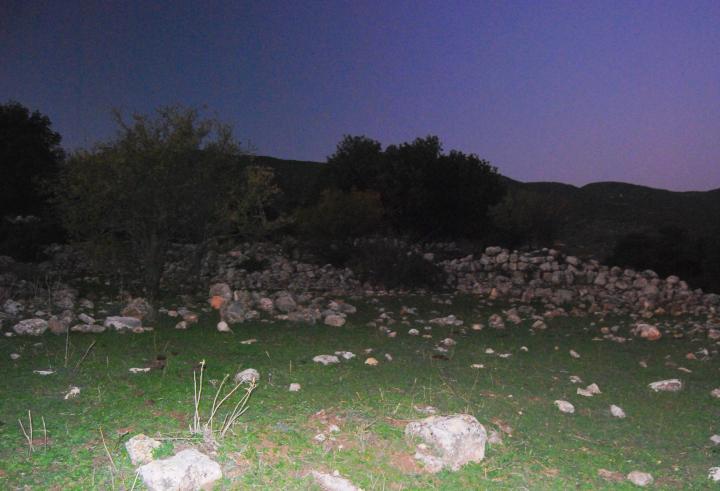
column 178, row 178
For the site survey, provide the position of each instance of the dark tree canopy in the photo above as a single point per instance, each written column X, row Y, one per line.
column 30, row 152
column 424, row 191
column 164, row 178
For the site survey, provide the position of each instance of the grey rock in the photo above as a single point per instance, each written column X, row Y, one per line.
column 247, row 376
column 670, row 385
column 140, row 448
column 233, row 313
column 449, row 442
column 639, row 478
column 335, row 320
column 140, row 309
column 88, row 328
column 31, row 327
column 285, row 303
column 188, row 470
column 120, row 323
column 330, row 482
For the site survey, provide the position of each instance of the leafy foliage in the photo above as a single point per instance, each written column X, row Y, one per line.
column 529, row 218
column 251, row 206
column 424, row 192
column 162, row 179
column 341, row 214
column 29, row 153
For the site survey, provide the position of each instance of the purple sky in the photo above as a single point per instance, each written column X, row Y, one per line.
column 571, row 91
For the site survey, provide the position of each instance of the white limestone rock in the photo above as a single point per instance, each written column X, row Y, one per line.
column 188, row 470
column 449, row 442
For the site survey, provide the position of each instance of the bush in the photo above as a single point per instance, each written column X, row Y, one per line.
column 424, row 192
column 26, row 240
column 163, row 179
column 340, row 214
column 384, row 264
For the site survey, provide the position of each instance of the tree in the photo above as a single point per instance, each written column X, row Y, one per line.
column 30, row 152
column 424, row 192
column 356, row 163
column 250, row 204
column 161, row 179
column 529, row 218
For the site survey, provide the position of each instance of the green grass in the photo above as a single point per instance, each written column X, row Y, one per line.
column 272, row 447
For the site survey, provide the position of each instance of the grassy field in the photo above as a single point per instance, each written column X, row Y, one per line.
column 272, row 446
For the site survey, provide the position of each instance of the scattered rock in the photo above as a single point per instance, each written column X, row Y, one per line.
column 73, row 392
column 371, row 361
column 496, row 322
column 714, row 474
column 122, row 323
column 335, row 320
column 31, row 327
column 565, row 406
column 670, row 385
column 449, row 442
column 88, row 328
column 220, row 294
column 234, row 313
column 222, row 326
column 647, row 331
column 333, row 482
column 715, row 393
column 140, row 309
column 139, row 370
column 44, row 372
column 617, row 411
column 187, row 470
column 639, row 478
column 14, row 356
column 574, row 354
column 326, row 359
column 715, row 439
column 140, row 448
column 248, row 375
column 285, row 303
column 294, row 387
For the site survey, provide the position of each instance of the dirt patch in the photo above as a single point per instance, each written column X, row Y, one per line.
column 405, row 463
column 271, row 453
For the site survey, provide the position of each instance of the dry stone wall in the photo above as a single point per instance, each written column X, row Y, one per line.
column 548, row 275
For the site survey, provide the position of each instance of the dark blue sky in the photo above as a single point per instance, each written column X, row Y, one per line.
column 570, row 91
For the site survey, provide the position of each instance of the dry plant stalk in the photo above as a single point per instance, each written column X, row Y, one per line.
column 238, row 410
column 28, row 437
column 230, row 418
column 112, row 462
column 197, row 392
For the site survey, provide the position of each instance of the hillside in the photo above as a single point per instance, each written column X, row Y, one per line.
column 594, row 217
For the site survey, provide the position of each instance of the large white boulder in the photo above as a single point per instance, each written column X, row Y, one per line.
column 140, row 448
column 188, row 470
column 449, row 442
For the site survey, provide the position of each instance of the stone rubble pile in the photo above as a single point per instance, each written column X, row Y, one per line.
column 548, row 275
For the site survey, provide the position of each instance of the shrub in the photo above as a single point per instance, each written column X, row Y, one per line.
column 385, row 264
column 340, row 215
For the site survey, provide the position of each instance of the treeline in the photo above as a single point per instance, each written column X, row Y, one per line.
column 177, row 177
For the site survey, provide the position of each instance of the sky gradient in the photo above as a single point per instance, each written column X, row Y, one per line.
column 574, row 91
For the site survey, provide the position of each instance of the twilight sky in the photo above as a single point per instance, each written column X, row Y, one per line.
column 573, row 91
